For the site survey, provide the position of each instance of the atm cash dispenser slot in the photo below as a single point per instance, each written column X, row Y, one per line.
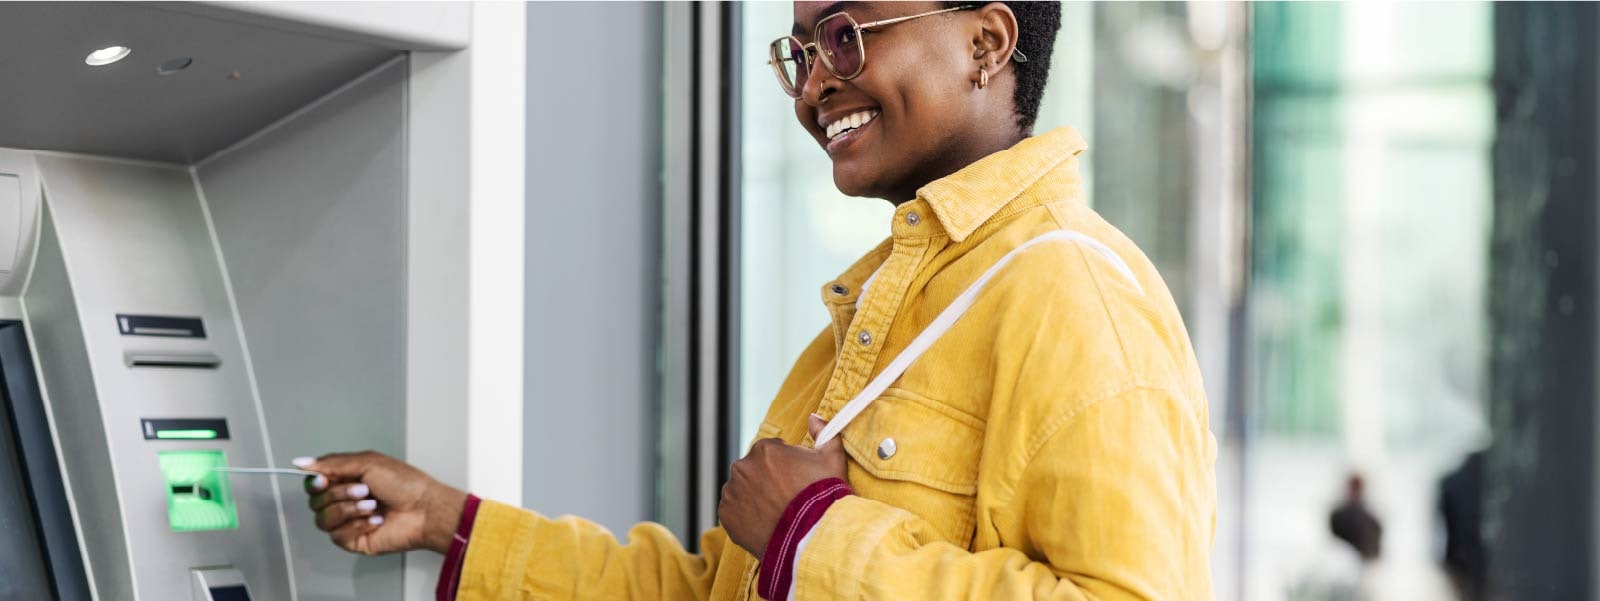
column 165, row 327
column 201, row 360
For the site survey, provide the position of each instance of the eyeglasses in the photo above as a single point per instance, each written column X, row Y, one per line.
column 839, row 45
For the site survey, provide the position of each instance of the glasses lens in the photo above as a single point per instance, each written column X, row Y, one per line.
column 797, row 66
column 776, row 55
column 840, row 43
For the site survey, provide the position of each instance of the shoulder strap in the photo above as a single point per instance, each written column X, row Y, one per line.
column 948, row 317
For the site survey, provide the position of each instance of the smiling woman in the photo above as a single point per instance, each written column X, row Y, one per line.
column 799, row 230
column 931, row 123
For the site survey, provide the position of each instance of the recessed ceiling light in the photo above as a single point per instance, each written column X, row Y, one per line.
column 106, row 56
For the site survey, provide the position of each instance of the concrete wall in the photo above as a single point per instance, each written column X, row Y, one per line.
column 593, row 247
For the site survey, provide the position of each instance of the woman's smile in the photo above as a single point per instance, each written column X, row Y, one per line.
column 843, row 132
column 833, row 125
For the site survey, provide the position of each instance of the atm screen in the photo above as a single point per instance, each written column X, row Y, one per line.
column 234, row 592
column 24, row 568
column 39, row 556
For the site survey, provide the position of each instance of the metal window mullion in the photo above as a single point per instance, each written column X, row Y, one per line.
column 708, row 252
column 674, row 488
column 731, row 151
column 700, row 265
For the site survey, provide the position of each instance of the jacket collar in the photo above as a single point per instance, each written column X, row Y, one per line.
column 966, row 199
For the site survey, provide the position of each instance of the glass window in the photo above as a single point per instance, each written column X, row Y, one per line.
column 1368, row 316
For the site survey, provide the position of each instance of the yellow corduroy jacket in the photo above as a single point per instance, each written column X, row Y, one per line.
column 1054, row 444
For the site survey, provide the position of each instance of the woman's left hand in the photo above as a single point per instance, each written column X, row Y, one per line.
column 761, row 485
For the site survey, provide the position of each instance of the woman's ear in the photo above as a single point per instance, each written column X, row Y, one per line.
column 996, row 37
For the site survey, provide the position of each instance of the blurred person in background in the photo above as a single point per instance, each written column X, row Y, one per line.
column 1353, row 522
column 1346, row 568
column 1461, row 508
column 1051, row 444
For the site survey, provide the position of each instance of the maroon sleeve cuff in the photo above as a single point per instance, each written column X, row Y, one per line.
column 450, row 574
column 803, row 513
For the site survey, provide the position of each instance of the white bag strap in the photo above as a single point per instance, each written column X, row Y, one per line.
column 947, row 318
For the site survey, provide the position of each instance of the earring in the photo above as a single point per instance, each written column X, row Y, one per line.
column 983, row 79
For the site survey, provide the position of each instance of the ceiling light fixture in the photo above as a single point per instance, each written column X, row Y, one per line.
column 106, row 56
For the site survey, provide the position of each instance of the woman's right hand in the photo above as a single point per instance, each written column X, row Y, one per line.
column 371, row 503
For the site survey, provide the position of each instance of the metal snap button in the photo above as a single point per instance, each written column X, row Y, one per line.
column 913, row 219
column 865, row 338
column 886, row 448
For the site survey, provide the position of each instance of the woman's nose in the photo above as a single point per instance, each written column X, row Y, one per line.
column 819, row 86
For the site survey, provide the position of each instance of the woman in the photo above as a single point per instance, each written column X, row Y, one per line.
column 1052, row 442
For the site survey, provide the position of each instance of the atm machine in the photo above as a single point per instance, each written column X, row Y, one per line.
column 204, row 263
column 129, row 344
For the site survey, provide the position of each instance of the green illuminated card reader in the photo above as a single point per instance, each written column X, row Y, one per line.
column 198, row 497
column 222, row 583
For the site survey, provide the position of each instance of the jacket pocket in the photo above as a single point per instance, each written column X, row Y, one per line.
column 919, row 455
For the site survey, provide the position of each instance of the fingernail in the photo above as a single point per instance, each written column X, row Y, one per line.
column 302, row 462
column 367, row 505
column 376, row 520
column 359, row 491
column 320, row 482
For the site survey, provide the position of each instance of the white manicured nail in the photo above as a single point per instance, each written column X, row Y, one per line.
column 376, row 520
column 367, row 505
column 302, row 462
column 359, row 491
column 320, row 482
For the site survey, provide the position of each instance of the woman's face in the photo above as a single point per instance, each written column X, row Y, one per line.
column 916, row 86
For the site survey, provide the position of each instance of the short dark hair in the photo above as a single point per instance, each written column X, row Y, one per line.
column 1037, row 24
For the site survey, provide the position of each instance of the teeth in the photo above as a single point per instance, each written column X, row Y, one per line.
column 848, row 123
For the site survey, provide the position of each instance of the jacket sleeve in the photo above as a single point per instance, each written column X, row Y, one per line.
column 1117, row 503
column 519, row 554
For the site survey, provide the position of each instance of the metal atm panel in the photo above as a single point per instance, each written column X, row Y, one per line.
column 129, row 238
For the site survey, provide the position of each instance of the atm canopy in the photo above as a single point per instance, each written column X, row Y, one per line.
column 244, row 71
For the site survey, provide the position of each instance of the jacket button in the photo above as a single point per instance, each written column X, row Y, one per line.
column 913, row 219
column 886, row 448
column 865, row 338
